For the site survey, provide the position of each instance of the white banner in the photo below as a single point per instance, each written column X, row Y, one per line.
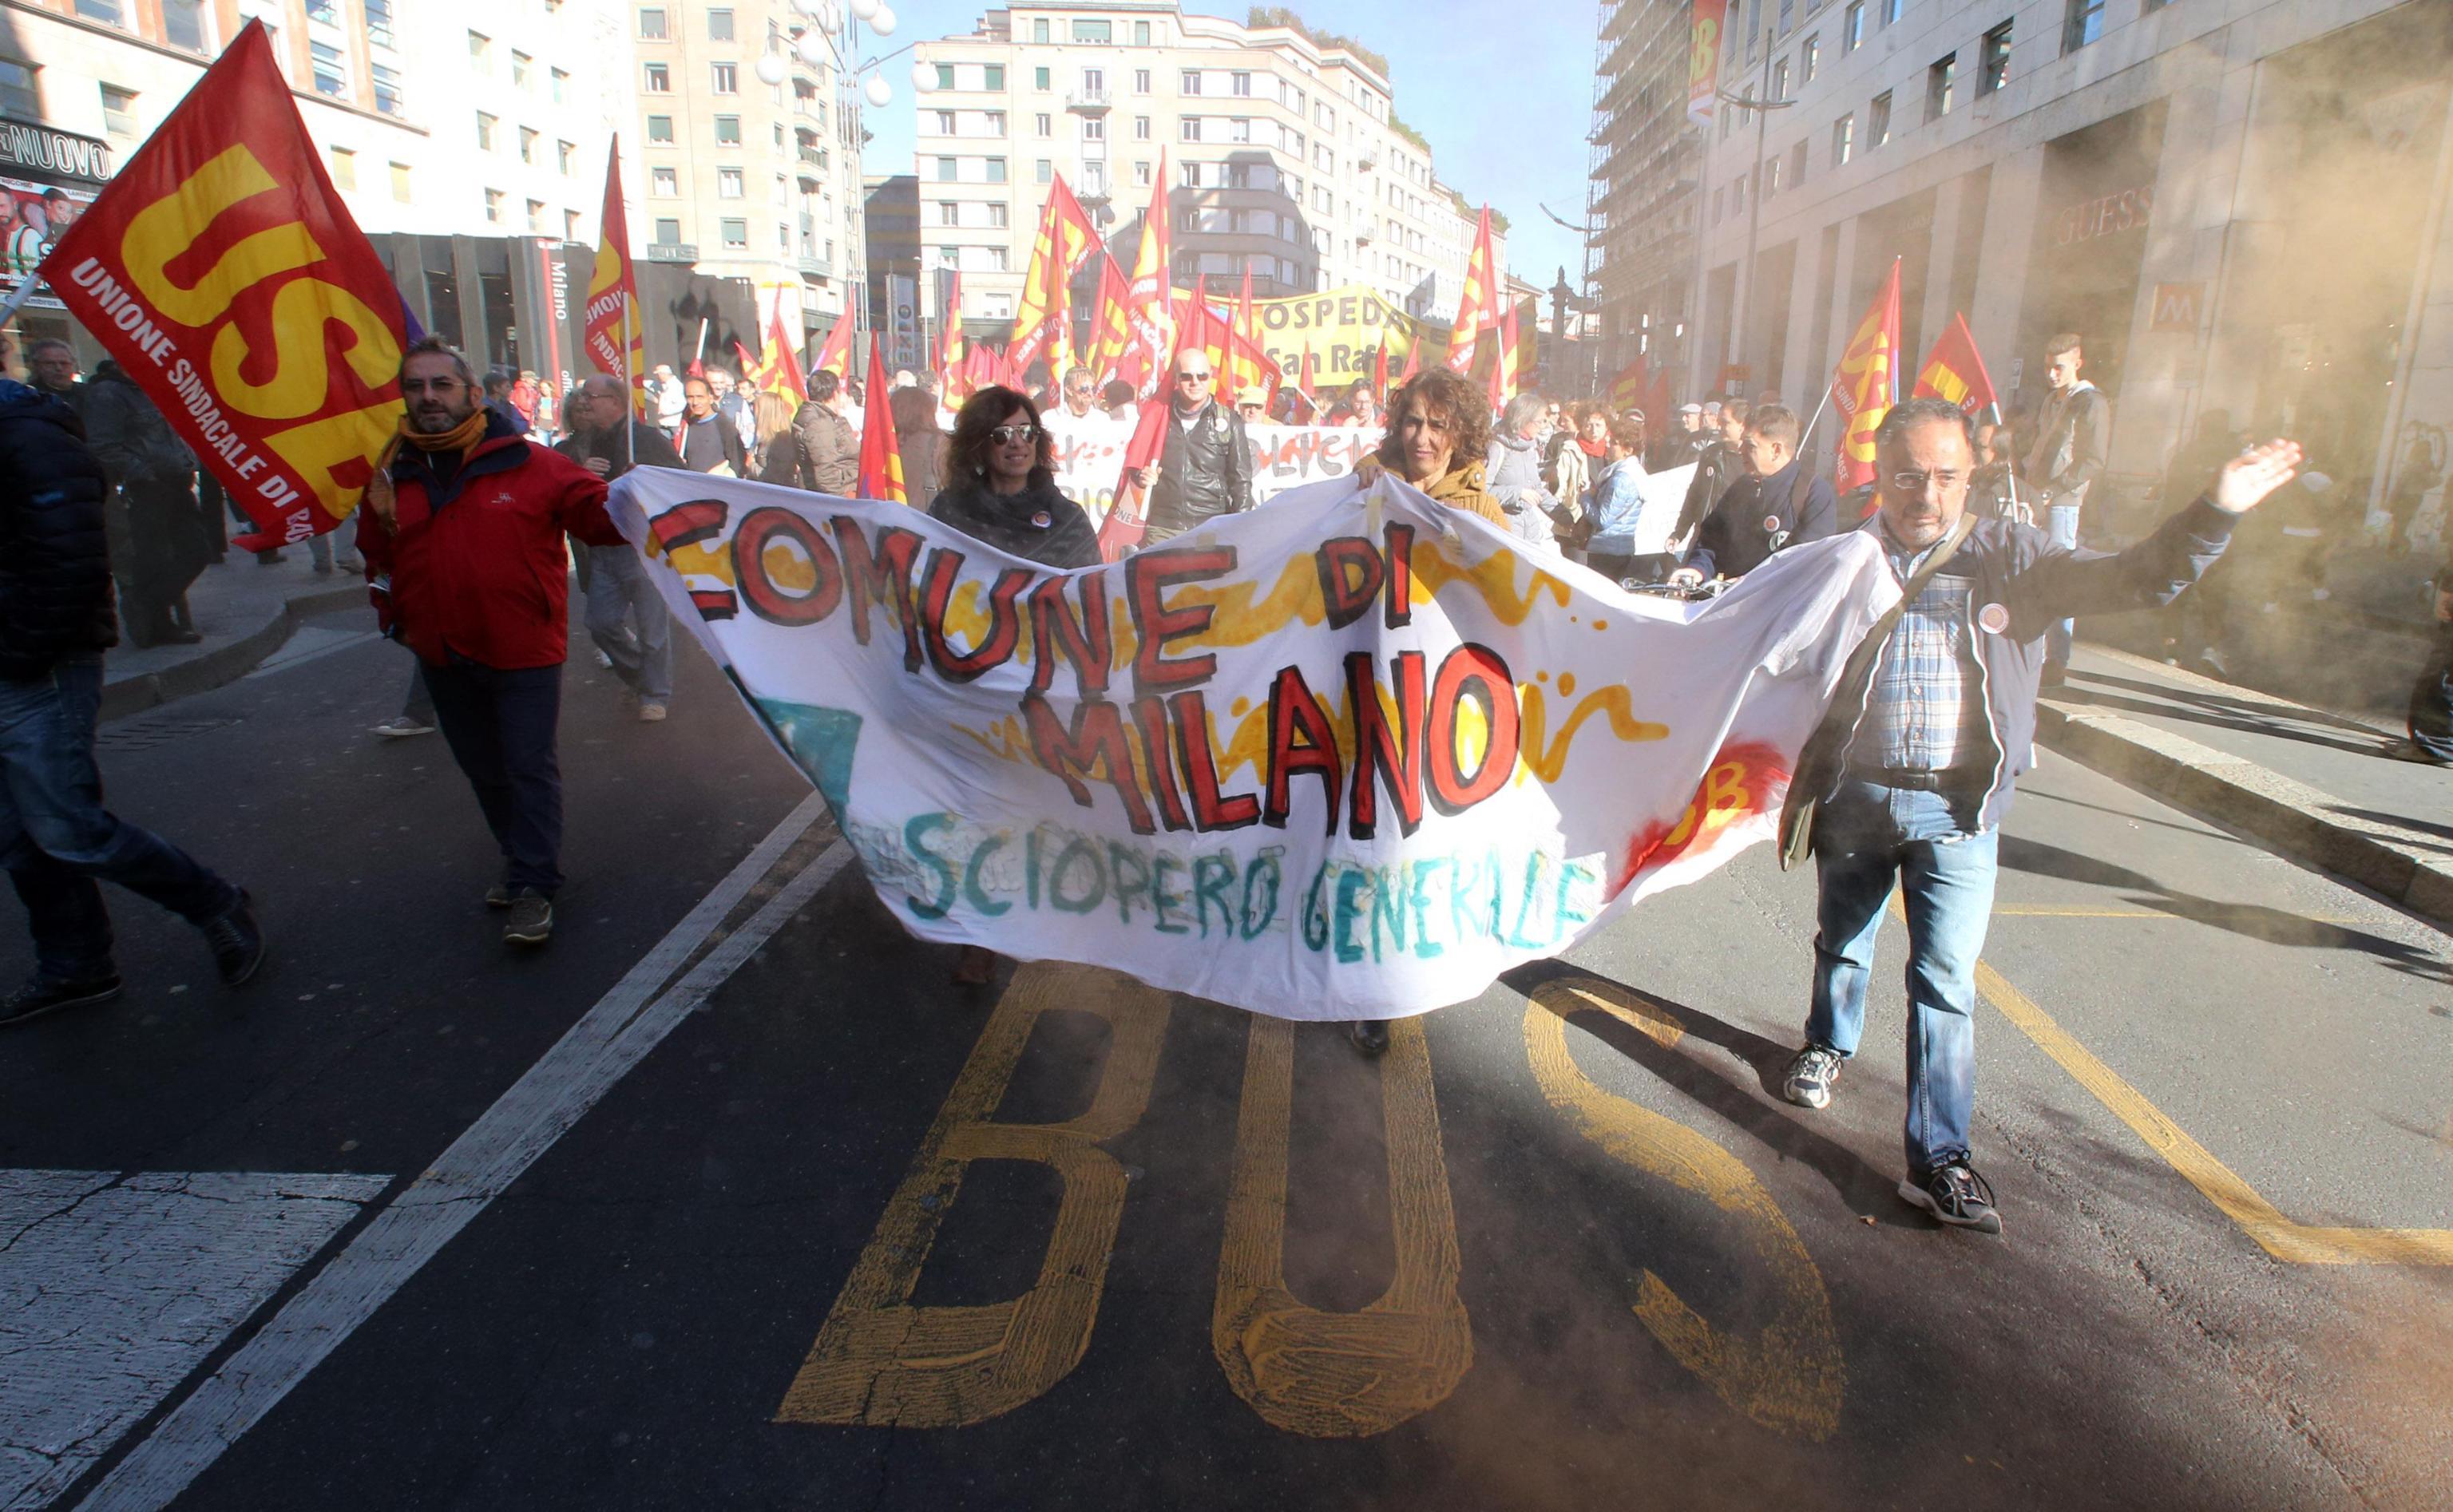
column 1348, row 758
column 1091, row 456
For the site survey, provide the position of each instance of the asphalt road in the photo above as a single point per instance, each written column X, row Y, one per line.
column 415, row 1223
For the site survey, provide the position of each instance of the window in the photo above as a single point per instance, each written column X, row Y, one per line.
column 561, row 86
column 1039, row 31
column 536, row 217
column 1093, row 129
column 1141, row 35
column 660, row 128
column 1142, row 174
column 727, row 130
column 1046, row 170
column 1045, row 122
column 1099, row 32
column 481, row 52
column 992, row 76
column 1142, row 78
column 651, row 23
column 1239, row 130
column 994, row 169
column 669, row 232
column 946, row 170
column 1189, row 83
column 1240, row 84
column 387, row 82
column 485, row 132
column 184, row 27
column 734, row 234
column 945, row 75
column 400, row 182
column 565, row 156
column 1940, row 82
column 18, row 94
column 660, row 78
column 1039, row 80
column 1190, row 128
column 719, row 28
column 1095, row 83
column 494, row 207
column 1993, row 63
column 723, row 78
column 948, row 213
column 944, row 120
column 1891, row 12
column 332, row 73
column 1810, row 58
column 1878, row 121
column 728, row 183
column 344, row 168
column 528, row 145
column 1844, row 140
column 1797, row 164
column 523, row 66
column 2082, row 24
column 570, row 226
column 1780, row 80
column 1720, row 204
column 118, row 110
column 664, row 182
column 1771, row 175
column 1852, row 26
column 1141, row 128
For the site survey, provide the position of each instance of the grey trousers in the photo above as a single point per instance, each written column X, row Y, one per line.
column 628, row 621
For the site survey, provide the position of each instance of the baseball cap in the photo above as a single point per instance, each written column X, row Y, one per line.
column 1254, row 395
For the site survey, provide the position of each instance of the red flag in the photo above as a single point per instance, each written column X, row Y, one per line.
column 1151, row 299
column 613, row 333
column 1380, row 374
column 275, row 348
column 1478, row 307
column 1245, row 333
column 1955, row 371
column 1502, row 371
column 1111, row 326
column 1413, row 362
column 835, row 356
column 952, row 362
column 1632, row 388
column 1656, row 409
column 1302, row 387
column 1868, row 383
column 1043, row 325
column 881, row 454
column 1121, row 530
column 779, row 371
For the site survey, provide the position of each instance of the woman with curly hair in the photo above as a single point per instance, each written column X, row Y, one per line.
column 1000, row 484
column 1438, row 430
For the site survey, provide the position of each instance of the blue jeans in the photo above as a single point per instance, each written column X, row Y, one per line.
column 628, row 621
column 2431, row 699
column 57, row 839
column 500, row 726
column 1864, row 837
column 2061, row 526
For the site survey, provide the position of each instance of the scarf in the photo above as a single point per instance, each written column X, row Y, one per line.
column 1592, row 449
column 462, row 438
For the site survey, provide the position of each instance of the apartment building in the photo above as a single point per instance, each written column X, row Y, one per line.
column 2240, row 204
column 750, row 138
column 1641, row 204
column 1284, row 154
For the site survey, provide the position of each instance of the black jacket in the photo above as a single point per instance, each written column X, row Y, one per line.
column 1204, row 471
column 136, row 446
column 1757, row 516
column 647, row 448
column 1717, row 466
column 1011, row 524
column 54, row 567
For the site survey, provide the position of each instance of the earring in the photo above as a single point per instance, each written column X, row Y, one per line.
column 979, row 471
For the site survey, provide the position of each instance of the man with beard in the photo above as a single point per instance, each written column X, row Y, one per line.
column 463, row 540
column 625, row 615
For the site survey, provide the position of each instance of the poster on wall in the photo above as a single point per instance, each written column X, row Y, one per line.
column 33, row 217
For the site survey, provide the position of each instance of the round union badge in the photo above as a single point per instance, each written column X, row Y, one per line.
column 1993, row 619
column 1771, row 525
column 1043, row 519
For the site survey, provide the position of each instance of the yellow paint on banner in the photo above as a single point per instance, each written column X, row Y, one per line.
column 1332, row 1375
column 1789, row 1377
column 1548, row 758
column 879, row 1360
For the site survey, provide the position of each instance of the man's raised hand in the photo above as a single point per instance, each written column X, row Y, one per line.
column 2243, row 483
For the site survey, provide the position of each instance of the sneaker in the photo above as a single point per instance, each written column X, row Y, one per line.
column 650, row 712
column 531, row 921
column 400, row 726
column 2410, row 750
column 1369, row 1036
column 604, row 658
column 44, row 995
column 1811, row 1075
column 499, row 895
column 237, row 943
column 1957, row 1196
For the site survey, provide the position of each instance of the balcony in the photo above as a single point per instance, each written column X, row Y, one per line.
column 673, row 251
column 1366, row 160
column 816, row 268
column 1088, row 101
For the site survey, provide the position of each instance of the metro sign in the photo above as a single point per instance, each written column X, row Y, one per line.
column 2178, row 309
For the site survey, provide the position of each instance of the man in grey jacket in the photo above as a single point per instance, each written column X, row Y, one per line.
column 2071, row 430
column 829, row 446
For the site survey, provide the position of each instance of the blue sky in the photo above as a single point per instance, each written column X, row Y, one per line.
column 1502, row 89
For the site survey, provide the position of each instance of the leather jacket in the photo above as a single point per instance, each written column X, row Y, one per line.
column 1204, row 470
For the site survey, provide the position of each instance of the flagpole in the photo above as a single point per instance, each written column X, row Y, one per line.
column 630, row 392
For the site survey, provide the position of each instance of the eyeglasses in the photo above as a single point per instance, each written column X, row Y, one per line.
column 1004, row 435
column 1193, row 377
column 1915, row 482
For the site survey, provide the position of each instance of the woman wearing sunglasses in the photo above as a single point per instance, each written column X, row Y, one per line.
column 1000, row 485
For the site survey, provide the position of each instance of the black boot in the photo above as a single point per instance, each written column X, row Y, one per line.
column 1369, row 1036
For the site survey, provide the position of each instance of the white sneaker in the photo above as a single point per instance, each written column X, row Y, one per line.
column 603, row 660
column 650, row 713
column 400, row 726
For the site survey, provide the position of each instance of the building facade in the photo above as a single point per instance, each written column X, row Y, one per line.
column 750, row 137
column 1640, row 251
column 2242, row 205
column 1282, row 150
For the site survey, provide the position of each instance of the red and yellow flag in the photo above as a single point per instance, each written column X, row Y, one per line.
column 779, row 371
column 1954, row 371
column 881, row 454
column 1868, row 383
column 1248, row 333
column 1478, row 307
column 1632, row 389
column 835, row 356
column 1380, row 374
column 953, row 374
column 1111, row 324
column 616, row 337
column 1303, row 386
column 1043, row 325
column 224, row 274
column 1151, row 299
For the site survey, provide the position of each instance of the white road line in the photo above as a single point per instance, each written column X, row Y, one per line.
column 555, row 1093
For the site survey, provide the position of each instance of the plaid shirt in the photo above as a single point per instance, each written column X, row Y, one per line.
column 1924, row 712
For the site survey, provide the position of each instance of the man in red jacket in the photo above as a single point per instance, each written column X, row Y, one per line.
column 466, row 561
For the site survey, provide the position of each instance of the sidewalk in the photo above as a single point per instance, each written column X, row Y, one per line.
column 244, row 611
column 2306, row 783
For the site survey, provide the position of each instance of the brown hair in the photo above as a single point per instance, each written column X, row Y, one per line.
column 1776, row 422
column 967, row 454
column 2062, row 342
column 1627, row 431
column 1440, row 391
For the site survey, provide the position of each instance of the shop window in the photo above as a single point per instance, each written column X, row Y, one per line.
column 1993, row 66
column 2082, row 24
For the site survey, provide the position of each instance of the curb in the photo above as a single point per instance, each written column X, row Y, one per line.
column 2298, row 820
column 223, row 664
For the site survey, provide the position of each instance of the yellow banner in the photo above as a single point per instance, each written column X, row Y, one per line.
column 1343, row 329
